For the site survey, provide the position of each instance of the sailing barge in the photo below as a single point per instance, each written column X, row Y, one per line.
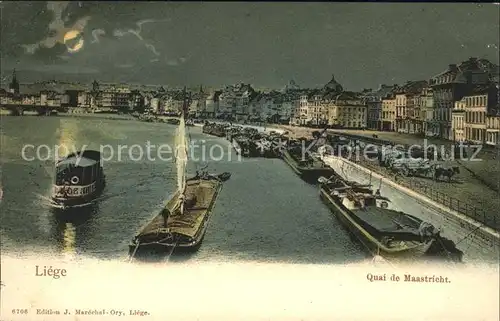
column 184, row 220
column 387, row 232
column 308, row 167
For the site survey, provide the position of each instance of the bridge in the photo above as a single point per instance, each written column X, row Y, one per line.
column 19, row 110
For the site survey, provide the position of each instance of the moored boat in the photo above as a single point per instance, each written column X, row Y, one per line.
column 79, row 180
column 390, row 233
column 308, row 167
column 214, row 129
column 184, row 220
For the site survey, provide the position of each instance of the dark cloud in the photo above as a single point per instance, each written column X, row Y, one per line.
column 267, row 44
column 23, row 22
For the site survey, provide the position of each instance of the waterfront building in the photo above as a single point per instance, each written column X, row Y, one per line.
column 493, row 130
column 277, row 112
column 313, row 105
column 458, row 121
column 290, row 102
column 83, row 99
column 453, row 84
column 428, row 112
column 317, row 109
column 373, row 102
column 254, row 107
column 411, row 102
column 70, row 98
column 120, row 96
column 198, row 103
column 212, row 104
column 264, row 106
column 136, row 101
column 389, row 112
column 234, row 100
column 50, row 98
column 3, row 97
column 347, row 110
column 300, row 115
column 482, row 102
column 285, row 110
column 171, row 102
column 155, row 105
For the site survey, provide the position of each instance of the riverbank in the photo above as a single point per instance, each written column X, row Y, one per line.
column 260, row 128
column 473, row 186
column 98, row 116
column 485, row 169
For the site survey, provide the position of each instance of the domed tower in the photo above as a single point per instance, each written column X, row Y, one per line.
column 333, row 86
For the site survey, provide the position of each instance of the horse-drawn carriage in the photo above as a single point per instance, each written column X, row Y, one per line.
column 406, row 164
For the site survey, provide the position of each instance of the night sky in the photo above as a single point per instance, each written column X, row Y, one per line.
column 265, row 44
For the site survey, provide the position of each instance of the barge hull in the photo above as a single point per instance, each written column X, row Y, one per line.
column 196, row 218
column 310, row 175
column 368, row 241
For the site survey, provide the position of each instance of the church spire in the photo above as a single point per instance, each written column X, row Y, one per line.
column 14, row 84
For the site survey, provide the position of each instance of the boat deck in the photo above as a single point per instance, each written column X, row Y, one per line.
column 199, row 200
column 386, row 220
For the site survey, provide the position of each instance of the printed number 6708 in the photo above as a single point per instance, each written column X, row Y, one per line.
column 19, row 311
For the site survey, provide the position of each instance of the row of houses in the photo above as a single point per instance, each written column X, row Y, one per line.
column 239, row 102
column 109, row 96
column 460, row 104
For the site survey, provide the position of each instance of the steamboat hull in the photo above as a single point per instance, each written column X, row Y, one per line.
column 64, row 203
column 308, row 174
column 79, row 180
column 367, row 237
column 155, row 237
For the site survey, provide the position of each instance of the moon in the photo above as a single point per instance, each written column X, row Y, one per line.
column 73, row 40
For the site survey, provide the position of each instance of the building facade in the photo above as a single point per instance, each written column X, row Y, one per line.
column 411, row 103
column 481, row 103
column 493, row 130
column 347, row 110
column 458, row 121
column 450, row 86
column 373, row 102
column 389, row 112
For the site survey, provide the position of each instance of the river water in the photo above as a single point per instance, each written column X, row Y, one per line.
column 264, row 213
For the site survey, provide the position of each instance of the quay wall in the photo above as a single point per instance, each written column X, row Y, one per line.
column 462, row 225
column 265, row 129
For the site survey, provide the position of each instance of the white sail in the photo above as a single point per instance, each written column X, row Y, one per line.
column 181, row 154
column 181, row 157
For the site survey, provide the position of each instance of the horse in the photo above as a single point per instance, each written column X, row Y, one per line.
column 446, row 172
